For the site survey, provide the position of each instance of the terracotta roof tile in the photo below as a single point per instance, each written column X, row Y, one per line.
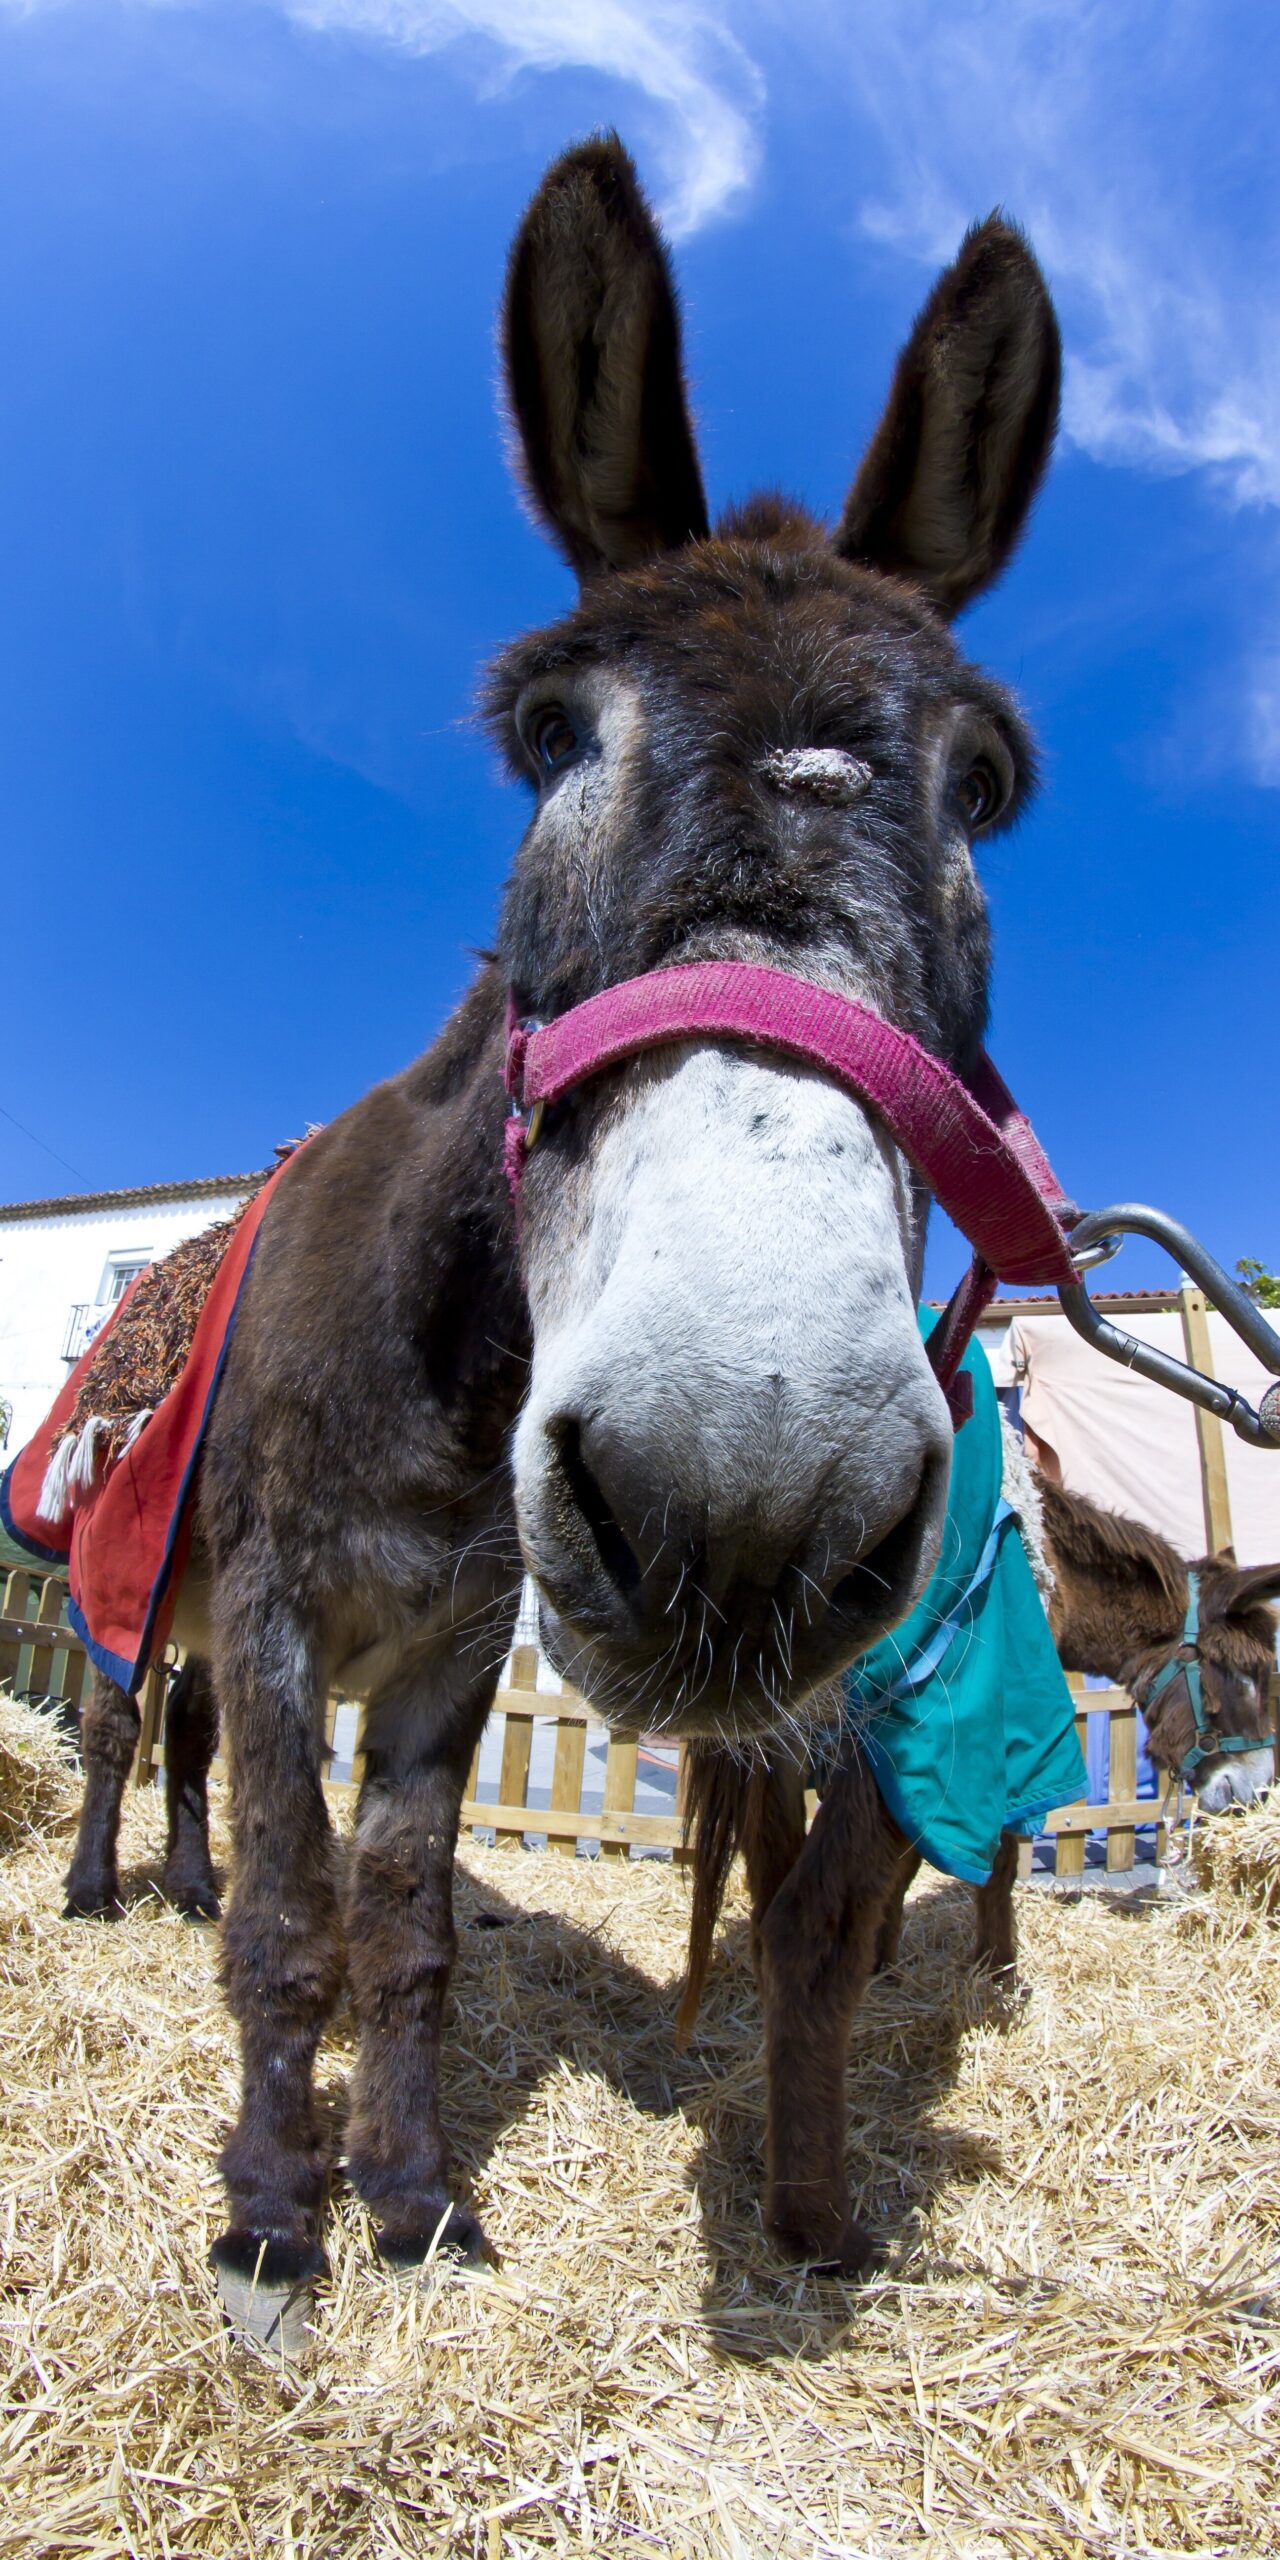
column 204, row 1186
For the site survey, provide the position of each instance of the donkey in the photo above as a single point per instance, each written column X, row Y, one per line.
column 1119, row 1606
column 731, row 1455
column 108, row 1740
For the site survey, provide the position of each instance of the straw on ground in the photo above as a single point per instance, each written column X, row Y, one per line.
column 1074, row 2347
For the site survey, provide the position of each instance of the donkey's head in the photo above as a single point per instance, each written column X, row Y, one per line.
column 760, row 743
column 1236, row 1647
column 1119, row 1604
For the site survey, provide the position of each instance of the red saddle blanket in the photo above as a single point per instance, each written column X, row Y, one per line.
column 126, row 1541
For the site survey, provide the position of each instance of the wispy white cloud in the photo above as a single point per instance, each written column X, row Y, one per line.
column 683, row 62
column 1135, row 143
column 1126, row 135
column 1262, row 717
column 697, row 92
column 1132, row 145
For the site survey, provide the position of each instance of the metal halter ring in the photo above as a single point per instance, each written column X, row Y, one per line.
column 1090, row 1257
column 530, row 1120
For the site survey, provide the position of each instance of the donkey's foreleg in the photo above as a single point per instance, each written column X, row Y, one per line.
column 401, row 1946
column 190, row 1740
column 282, row 1947
column 889, row 1934
column 818, row 1944
column 996, row 1938
column 773, row 1834
column 108, row 1739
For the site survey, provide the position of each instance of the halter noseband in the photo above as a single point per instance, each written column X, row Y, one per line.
column 969, row 1142
column 1185, row 1665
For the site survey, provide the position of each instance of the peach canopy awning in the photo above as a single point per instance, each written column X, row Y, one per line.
column 1132, row 1444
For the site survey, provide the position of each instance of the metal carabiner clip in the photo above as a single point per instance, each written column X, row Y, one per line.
column 1099, row 1235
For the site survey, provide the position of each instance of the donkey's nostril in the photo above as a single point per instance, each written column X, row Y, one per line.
column 889, row 1566
column 588, row 1499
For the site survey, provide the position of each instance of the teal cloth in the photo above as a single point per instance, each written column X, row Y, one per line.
column 963, row 1712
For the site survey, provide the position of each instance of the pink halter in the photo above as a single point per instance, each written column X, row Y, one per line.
column 979, row 1156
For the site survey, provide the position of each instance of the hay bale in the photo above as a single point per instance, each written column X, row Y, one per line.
column 1239, row 1853
column 1071, row 2349
column 39, row 1777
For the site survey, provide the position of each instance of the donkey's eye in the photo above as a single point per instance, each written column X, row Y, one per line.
column 982, row 794
column 551, row 737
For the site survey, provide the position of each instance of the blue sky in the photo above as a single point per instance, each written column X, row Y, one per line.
column 257, row 533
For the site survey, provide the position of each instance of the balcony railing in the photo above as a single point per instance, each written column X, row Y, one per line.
column 83, row 1322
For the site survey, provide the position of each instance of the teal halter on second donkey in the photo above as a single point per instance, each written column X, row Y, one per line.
column 1184, row 1665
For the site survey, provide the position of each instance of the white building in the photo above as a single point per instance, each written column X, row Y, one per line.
column 64, row 1263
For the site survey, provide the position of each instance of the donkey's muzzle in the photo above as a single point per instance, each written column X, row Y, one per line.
column 1234, row 1778
column 717, row 1611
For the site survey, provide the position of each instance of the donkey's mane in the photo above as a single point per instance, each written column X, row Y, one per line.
column 768, row 516
column 1095, row 1540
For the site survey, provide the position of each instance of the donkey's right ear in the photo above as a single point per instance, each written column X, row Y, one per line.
column 591, row 346
column 951, row 471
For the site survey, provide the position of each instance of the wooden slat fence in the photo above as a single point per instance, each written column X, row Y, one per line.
column 593, row 1775
column 41, row 1656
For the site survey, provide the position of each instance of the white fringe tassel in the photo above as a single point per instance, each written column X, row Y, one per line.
column 72, row 1471
column 55, row 1492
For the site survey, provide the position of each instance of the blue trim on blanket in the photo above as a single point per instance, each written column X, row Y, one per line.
column 922, row 1667
column 116, row 1666
column 20, row 1537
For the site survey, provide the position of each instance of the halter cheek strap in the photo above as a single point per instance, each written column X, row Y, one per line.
column 969, row 1142
column 1185, row 1665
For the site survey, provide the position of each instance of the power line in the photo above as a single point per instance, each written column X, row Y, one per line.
column 39, row 1142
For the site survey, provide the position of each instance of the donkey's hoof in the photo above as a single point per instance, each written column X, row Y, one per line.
column 857, row 2255
column 195, row 1900
column 92, row 1902
column 267, row 2288
column 851, row 2251
column 1002, row 1981
column 410, row 2244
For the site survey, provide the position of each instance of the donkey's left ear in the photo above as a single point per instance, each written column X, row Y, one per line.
column 948, row 479
column 1253, row 1583
column 591, row 342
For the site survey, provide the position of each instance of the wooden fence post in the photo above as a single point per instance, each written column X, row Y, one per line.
column 1068, row 1859
column 1122, row 1780
column 154, row 1697
column 1194, row 1308
column 517, row 1736
column 620, row 1786
column 566, row 1778
column 682, row 1857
